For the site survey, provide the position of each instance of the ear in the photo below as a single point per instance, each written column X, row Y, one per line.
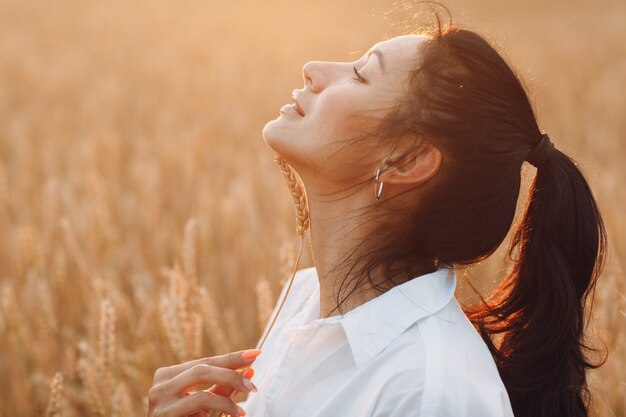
column 416, row 168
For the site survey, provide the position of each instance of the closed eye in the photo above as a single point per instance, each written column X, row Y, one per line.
column 358, row 77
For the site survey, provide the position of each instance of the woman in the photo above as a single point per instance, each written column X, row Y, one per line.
column 444, row 124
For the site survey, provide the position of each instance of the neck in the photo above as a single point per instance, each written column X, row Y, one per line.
column 334, row 233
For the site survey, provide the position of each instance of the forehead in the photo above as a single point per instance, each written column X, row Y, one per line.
column 400, row 48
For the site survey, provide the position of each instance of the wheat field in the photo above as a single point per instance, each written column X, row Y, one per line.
column 143, row 221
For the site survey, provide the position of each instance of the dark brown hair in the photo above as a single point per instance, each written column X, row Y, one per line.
column 466, row 100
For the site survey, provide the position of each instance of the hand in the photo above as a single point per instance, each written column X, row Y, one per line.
column 169, row 395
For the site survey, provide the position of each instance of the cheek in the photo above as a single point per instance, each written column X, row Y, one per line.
column 337, row 112
column 339, row 117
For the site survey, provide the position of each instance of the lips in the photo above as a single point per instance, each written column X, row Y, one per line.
column 294, row 99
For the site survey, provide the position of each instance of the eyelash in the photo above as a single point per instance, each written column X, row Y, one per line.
column 358, row 77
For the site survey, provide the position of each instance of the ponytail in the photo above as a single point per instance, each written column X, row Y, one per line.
column 538, row 309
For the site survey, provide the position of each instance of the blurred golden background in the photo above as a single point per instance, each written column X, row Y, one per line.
column 143, row 221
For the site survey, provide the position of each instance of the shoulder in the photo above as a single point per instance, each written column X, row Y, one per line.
column 445, row 370
column 461, row 375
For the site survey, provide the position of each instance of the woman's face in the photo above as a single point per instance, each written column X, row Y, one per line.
column 339, row 106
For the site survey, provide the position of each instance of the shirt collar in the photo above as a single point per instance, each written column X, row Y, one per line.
column 371, row 326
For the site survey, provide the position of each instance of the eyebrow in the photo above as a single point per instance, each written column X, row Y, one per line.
column 380, row 57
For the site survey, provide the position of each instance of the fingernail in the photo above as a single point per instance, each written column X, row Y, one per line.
column 251, row 353
column 242, row 412
column 249, row 385
column 249, row 373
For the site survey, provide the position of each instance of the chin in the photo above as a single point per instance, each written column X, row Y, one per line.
column 277, row 137
column 269, row 134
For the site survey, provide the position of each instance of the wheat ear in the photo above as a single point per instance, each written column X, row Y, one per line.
column 106, row 345
column 298, row 194
column 303, row 221
column 55, row 406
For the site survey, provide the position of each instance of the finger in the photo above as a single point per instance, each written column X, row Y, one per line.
column 232, row 360
column 227, row 391
column 235, row 360
column 203, row 401
column 201, row 413
column 202, row 374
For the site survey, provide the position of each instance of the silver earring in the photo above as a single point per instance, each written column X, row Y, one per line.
column 378, row 189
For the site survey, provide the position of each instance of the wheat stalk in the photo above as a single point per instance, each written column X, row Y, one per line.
column 196, row 334
column 172, row 327
column 74, row 249
column 90, row 380
column 12, row 317
column 182, row 329
column 263, row 301
column 48, row 317
column 216, row 333
column 121, row 404
column 189, row 250
column 27, row 248
column 302, row 221
column 51, row 213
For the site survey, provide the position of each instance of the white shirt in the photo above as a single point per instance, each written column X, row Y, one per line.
column 409, row 352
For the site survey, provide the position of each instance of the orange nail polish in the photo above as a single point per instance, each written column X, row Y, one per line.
column 249, row 373
column 251, row 353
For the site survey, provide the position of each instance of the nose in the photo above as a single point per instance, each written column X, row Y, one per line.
column 315, row 76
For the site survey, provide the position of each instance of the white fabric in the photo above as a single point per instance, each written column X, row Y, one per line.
column 409, row 352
